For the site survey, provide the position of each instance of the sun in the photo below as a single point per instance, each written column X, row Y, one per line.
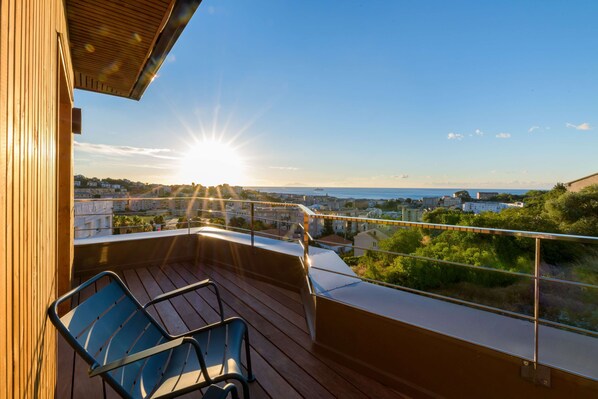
column 210, row 163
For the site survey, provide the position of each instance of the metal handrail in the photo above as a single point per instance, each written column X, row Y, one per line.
column 398, row 223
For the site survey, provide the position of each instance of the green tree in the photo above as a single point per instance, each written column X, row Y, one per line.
column 463, row 194
column 328, row 229
column 443, row 216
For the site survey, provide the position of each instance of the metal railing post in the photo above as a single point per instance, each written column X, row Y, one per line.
column 536, row 300
column 252, row 227
column 306, row 239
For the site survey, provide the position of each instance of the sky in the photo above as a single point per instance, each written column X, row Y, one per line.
column 497, row 94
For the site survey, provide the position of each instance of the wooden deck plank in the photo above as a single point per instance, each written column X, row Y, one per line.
column 132, row 281
column 242, row 284
column 171, row 319
column 289, row 299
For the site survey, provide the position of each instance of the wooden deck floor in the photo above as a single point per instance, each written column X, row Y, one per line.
column 284, row 361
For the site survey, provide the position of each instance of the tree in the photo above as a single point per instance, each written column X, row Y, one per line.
column 328, row 229
column 576, row 213
column 463, row 194
column 443, row 216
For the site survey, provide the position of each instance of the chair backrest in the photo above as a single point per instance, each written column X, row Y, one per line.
column 109, row 325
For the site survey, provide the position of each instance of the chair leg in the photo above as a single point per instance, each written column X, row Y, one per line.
column 245, row 389
column 250, row 376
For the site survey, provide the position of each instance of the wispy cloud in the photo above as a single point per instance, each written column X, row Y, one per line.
column 478, row 132
column 531, row 129
column 107, row 149
column 582, row 126
column 284, row 167
column 403, row 176
column 455, row 136
column 504, row 135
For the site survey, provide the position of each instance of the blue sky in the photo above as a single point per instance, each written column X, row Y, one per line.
column 500, row 94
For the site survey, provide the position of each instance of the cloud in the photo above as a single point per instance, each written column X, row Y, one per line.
column 455, row 136
column 284, row 167
column 171, row 58
column 107, row 149
column 531, row 129
column 583, row 126
column 504, row 135
column 478, row 132
column 403, row 176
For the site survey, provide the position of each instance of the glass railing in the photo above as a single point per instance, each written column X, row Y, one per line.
column 535, row 276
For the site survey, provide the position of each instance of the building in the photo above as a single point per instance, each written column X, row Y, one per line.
column 93, row 219
column 335, row 243
column 368, row 239
column 486, row 206
column 577, row 185
column 486, row 195
column 47, row 49
column 430, row 202
column 450, row 202
column 412, row 214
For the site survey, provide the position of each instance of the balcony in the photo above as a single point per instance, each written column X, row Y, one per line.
column 319, row 330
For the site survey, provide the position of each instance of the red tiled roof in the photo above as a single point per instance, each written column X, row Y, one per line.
column 336, row 239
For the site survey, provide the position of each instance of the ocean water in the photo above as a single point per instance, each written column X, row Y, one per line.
column 381, row 193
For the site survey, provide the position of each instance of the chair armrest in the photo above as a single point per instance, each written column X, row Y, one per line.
column 96, row 369
column 215, row 392
column 188, row 288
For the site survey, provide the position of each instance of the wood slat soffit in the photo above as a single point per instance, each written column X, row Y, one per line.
column 117, row 46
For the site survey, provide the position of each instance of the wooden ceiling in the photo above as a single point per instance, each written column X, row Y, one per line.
column 117, row 46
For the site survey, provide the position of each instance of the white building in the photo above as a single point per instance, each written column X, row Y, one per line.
column 479, row 207
column 412, row 214
column 368, row 239
column 451, row 202
column 430, row 202
column 93, row 219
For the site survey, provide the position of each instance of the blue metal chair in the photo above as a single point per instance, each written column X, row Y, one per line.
column 133, row 353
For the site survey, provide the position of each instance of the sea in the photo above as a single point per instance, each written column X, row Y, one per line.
column 380, row 193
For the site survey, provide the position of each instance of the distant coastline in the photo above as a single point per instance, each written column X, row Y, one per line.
column 379, row 193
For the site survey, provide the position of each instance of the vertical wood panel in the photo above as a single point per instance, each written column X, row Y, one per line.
column 4, row 44
column 28, row 191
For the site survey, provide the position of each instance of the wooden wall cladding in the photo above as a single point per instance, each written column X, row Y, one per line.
column 30, row 32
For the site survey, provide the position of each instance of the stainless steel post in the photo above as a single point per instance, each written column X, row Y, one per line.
column 536, row 300
column 252, row 227
column 306, row 239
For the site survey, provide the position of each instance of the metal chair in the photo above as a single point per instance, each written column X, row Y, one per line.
column 137, row 357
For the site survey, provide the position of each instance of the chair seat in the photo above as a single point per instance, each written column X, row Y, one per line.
column 221, row 348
